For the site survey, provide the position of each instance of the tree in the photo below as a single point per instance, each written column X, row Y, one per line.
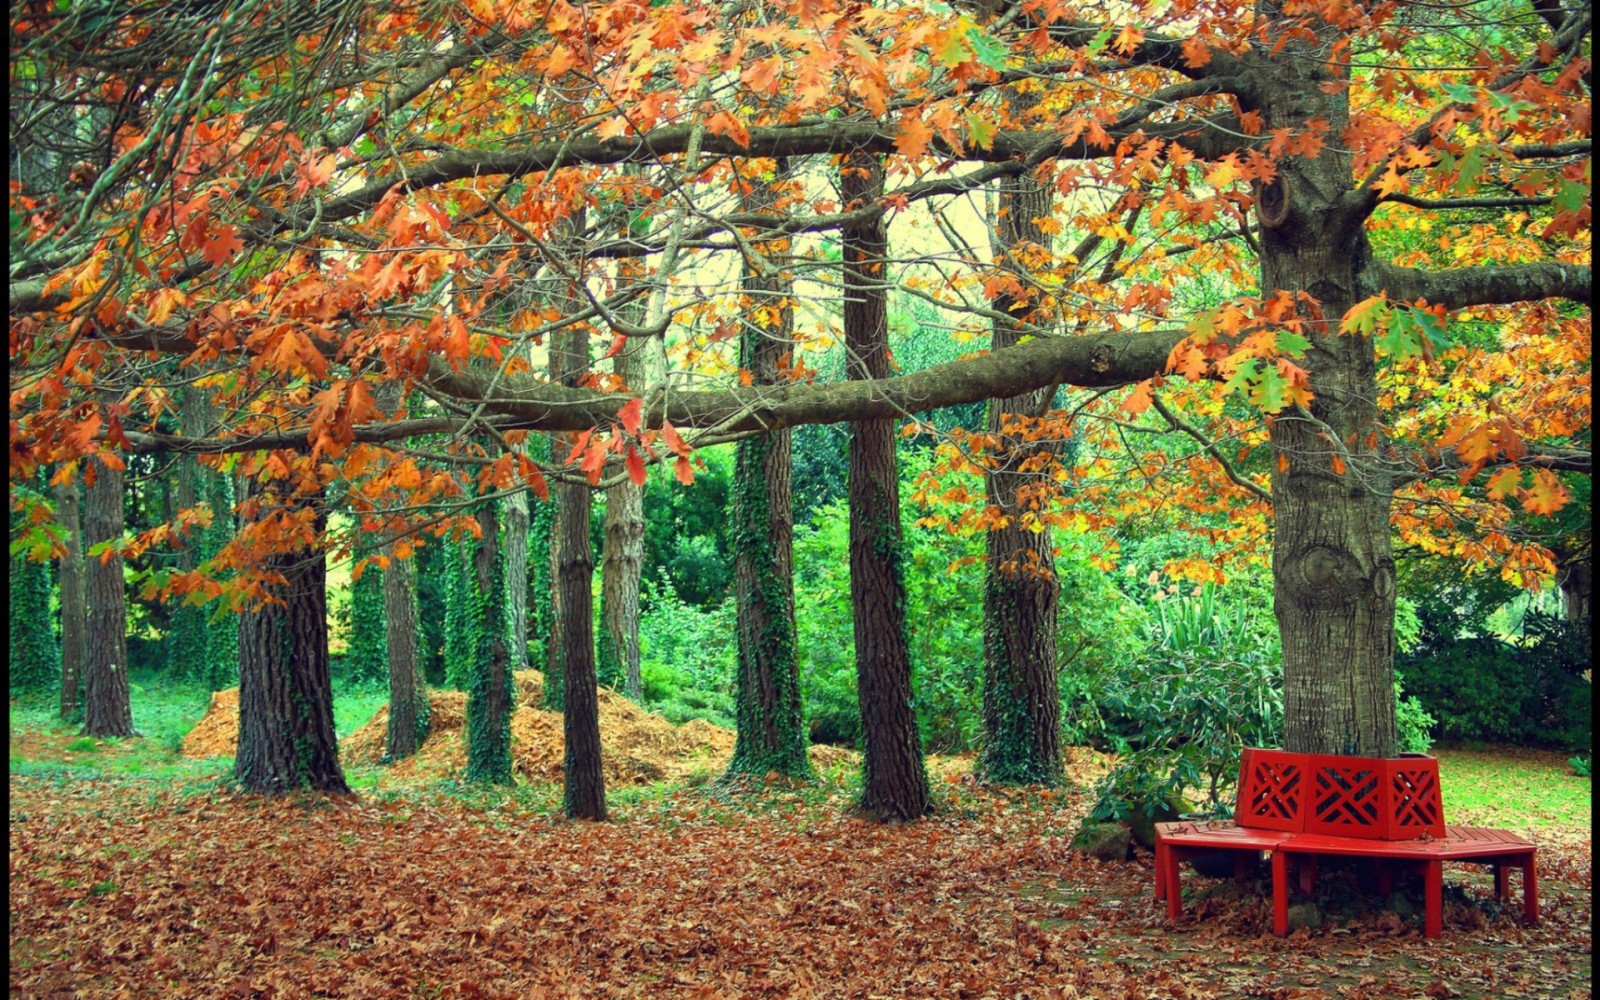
column 286, row 737
column 408, row 690
column 1266, row 144
column 74, row 613
column 366, row 650
column 895, row 786
column 106, row 709
column 462, row 622
column 490, row 694
column 770, row 733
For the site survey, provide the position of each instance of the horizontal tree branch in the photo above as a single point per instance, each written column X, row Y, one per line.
column 1460, row 288
column 524, row 402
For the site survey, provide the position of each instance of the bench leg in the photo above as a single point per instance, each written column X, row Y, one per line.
column 1280, row 893
column 1385, row 876
column 1161, row 863
column 1433, row 920
column 1530, row 890
column 1308, row 873
column 1172, row 886
column 1243, row 861
column 1502, row 891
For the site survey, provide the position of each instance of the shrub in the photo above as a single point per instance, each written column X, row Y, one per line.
column 1530, row 693
column 686, row 654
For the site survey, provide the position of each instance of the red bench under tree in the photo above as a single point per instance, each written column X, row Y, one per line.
column 1302, row 806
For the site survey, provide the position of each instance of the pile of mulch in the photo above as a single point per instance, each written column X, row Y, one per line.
column 637, row 747
column 217, row 733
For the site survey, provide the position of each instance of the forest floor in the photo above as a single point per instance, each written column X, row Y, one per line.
column 137, row 872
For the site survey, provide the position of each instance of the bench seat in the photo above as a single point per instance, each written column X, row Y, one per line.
column 1474, row 845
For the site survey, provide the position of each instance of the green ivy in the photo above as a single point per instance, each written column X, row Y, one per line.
column 366, row 662
column 463, row 610
column 488, row 716
column 219, row 667
column 34, row 664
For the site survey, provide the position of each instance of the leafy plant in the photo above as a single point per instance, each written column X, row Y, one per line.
column 1580, row 765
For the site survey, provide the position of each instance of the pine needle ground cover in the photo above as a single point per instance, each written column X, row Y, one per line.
column 165, row 883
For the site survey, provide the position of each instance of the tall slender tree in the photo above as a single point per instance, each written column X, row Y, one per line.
column 1021, row 702
column 770, row 731
column 185, row 640
column 896, row 780
column 408, row 691
column 518, row 526
column 74, row 612
column 490, row 694
column 106, row 709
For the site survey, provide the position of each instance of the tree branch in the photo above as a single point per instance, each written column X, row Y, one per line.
column 1460, row 288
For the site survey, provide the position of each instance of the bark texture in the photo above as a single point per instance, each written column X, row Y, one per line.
column 489, row 693
column 573, row 635
column 74, row 613
column 1333, row 570
column 895, row 785
column 622, row 555
column 408, row 692
column 106, row 709
column 770, row 733
column 516, row 560
column 286, row 737
column 1021, row 593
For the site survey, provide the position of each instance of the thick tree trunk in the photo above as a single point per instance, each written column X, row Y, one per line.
column 286, row 736
column 106, row 710
column 1021, row 702
column 896, row 782
column 408, row 692
column 74, row 621
column 516, row 560
column 771, row 736
column 1333, row 569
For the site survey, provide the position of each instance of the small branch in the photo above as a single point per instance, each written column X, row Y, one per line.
column 1211, row 449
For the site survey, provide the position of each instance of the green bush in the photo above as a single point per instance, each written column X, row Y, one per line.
column 686, row 654
column 1529, row 693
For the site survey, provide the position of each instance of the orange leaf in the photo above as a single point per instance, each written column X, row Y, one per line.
column 683, row 470
column 631, row 416
column 635, row 467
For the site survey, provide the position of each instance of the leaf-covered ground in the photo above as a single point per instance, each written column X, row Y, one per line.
column 122, row 886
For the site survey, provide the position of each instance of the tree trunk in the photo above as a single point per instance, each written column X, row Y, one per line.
column 286, row 736
column 74, row 621
column 186, row 639
column 1021, row 702
column 771, row 736
column 366, row 640
column 896, row 783
column 516, row 561
column 622, row 557
column 106, row 710
column 222, row 636
column 1333, row 570
column 489, row 693
column 584, row 782
column 408, row 692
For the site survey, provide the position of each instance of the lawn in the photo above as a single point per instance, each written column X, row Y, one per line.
column 133, row 869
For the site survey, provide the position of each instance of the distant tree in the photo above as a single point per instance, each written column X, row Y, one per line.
column 408, row 689
column 366, row 649
column 74, row 613
column 33, row 657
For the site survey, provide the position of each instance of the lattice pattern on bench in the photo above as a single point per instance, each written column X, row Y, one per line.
column 1376, row 798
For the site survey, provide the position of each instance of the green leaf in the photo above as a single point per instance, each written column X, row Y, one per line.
column 1292, row 343
column 1246, row 373
column 1570, row 196
column 1271, row 390
column 954, row 51
column 989, row 50
column 980, row 130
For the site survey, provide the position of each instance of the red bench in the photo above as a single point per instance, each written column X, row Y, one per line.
column 1302, row 806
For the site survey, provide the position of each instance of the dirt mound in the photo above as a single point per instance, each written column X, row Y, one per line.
column 637, row 747
column 217, row 733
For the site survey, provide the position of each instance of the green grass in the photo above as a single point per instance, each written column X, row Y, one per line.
column 1512, row 787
